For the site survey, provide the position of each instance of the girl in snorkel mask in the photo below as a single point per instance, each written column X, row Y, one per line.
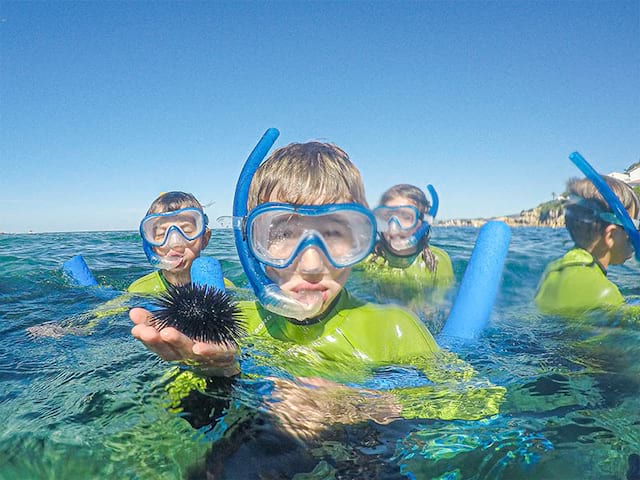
column 404, row 217
column 174, row 232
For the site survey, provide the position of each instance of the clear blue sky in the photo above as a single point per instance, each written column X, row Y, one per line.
column 105, row 104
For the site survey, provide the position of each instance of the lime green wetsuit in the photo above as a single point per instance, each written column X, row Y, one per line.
column 354, row 338
column 351, row 330
column 155, row 282
column 409, row 282
column 348, row 343
column 575, row 284
column 410, row 270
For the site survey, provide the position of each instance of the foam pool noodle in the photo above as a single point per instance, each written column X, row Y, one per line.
column 78, row 272
column 479, row 287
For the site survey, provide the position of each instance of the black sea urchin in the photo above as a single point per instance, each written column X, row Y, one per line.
column 201, row 312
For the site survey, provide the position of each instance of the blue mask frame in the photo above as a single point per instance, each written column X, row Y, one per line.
column 205, row 222
column 147, row 247
column 312, row 239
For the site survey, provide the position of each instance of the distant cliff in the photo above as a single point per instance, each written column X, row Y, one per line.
column 548, row 214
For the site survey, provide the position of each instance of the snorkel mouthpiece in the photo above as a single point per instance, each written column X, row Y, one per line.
column 276, row 301
column 268, row 293
column 611, row 198
column 404, row 243
column 157, row 261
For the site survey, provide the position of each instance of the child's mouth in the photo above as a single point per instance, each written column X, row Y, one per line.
column 174, row 260
column 310, row 294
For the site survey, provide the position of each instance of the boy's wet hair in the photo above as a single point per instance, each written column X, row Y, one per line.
column 312, row 173
column 581, row 219
column 170, row 201
column 405, row 190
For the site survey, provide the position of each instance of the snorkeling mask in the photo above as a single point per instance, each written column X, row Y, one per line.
column 178, row 227
column 277, row 233
column 596, row 212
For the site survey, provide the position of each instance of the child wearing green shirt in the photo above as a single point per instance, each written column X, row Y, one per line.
column 404, row 267
column 578, row 281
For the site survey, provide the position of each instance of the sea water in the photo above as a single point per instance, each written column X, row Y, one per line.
column 81, row 398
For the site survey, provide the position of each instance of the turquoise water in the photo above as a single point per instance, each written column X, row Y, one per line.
column 80, row 398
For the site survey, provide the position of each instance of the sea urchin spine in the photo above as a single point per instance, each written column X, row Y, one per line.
column 201, row 312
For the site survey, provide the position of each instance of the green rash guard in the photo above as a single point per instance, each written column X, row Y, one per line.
column 149, row 284
column 574, row 284
column 411, row 270
column 155, row 282
column 351, row 329
column 356, row 337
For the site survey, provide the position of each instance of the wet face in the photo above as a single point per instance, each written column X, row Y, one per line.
column 310, row 275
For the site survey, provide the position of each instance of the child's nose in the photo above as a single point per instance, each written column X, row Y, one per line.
column 175, row 239
column 312, row 261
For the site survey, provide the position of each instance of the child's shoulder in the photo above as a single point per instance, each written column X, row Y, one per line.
column 150, row 283
column 576, row 257
column 575, row 283
column 388, row 326
column 354, row 309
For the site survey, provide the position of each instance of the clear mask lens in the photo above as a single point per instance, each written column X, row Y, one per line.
column 343, row 233
column 162, row 228
column 400, row 218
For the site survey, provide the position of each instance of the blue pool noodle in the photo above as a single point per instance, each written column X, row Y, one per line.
column 78, row 271
column 204, row 271
column 479, row 287
column 207, row 271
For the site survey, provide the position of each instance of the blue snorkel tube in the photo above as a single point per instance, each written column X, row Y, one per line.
column 435, row 201
column 611, row 198
column 269, row 294
column 431, row 214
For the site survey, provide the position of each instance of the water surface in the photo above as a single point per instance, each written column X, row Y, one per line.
column 92, row 403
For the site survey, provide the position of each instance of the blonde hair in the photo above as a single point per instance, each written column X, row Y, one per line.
column 312, row 173
column 581, row 218
column 170, row 201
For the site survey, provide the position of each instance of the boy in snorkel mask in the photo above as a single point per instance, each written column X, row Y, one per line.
column 303, row 226
column 174, row 232
column 307, row 225
column 577, row 282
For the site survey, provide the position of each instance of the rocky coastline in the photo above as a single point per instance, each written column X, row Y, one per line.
column 550, row 214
